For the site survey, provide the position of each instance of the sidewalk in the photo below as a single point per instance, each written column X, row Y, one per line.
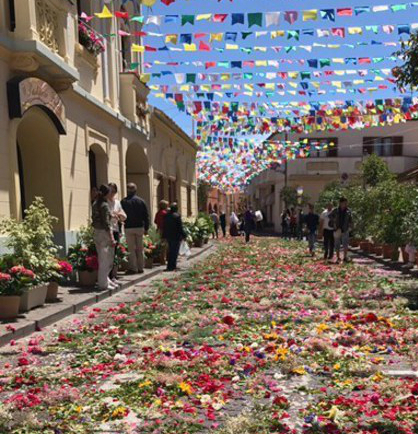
column 73, row 299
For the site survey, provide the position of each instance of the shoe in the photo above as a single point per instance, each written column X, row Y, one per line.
column 131, row 273
column 112, row 285
column 347, row 260
column 141, row 272
column 116, row 282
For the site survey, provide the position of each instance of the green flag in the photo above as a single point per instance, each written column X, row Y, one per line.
column 255, row 19
column 246, row 34
column 187, row 19
column 191, row 78
column 324, row 62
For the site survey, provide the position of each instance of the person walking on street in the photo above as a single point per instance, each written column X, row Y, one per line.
column 215, row 219
column 285, row 223
column 103, row 238
column 233, row 227
column 300, row 225
column 249, row 223
column 136, row 226
column 293, row 223
column 222, row 220
column 118, row 216
column 312, row 222
column 343, row 223
column 174, row 234
column 326, row 229
column 160, row 216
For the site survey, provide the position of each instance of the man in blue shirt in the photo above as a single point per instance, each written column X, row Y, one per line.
column 312, row 222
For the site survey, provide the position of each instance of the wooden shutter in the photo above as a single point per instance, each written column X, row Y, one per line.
column 333, row 151
column 368, row 143
column 397, row 146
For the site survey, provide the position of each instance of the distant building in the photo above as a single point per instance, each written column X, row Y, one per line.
column 397, row 145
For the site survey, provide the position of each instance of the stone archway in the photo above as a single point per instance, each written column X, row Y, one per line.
column 138, row 171
column 39, row 164
column 98, row 166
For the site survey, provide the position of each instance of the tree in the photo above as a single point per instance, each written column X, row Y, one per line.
column 407, row 74
column 289, row 196
column 330, row 194
column 375, row 170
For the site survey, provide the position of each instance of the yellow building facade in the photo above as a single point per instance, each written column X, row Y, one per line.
column 72, row 119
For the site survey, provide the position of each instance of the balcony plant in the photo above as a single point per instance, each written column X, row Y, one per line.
column 90, row 39
column 83, row 257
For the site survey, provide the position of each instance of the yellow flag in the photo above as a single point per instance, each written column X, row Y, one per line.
column 205, row 87
column 261, row 63
column 293, row 74
column 310, row 15
column 336, row 83
column 225, row 77
column 145, row 78
column 293, row 84
column 262, row 49
column 149, row 3
column 185, row 88
column 216, row 37
column 138, row 48
column 338, row 60
column 249, row 86
column 315, row 84
column 190, row 47
column 171, row 39
column 231, row 47
column 105, row 13
column 338, row 72
column 270, row 86
column 203, row 17
column 277, row 33
column 355, row 31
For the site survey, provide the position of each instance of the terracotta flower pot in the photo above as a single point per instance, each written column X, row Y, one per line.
column 378, row 250
column 405, row 256
column 87, row 278
column 365, row 246
column 149, row 262
column 388, row 251
column 33, row 297
column 354, row 243
column 9, row 306
column 52, row 293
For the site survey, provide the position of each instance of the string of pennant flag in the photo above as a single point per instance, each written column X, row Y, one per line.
column 259, row 19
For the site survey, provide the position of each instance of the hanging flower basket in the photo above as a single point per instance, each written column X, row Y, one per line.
column 90, row 39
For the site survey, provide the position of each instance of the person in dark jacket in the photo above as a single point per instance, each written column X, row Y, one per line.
column 222, row 219
column 136, row 226
column 312, row 223
column 174, row 234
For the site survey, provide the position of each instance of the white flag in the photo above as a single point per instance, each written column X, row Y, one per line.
column 272, row 18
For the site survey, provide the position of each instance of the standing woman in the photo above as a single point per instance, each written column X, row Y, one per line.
column 118, row 217
column 222, row 219
column 103, row 237
column 160, row 216
column 233, row 228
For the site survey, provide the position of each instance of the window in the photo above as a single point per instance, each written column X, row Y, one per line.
column 331, row 150
column 189, row 201
column 383, row 146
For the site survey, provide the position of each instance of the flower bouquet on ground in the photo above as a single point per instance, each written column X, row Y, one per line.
column 122, row 255
column 150, row 251
column 83, row 257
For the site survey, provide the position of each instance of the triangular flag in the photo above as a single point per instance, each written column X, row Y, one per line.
column 105, row 13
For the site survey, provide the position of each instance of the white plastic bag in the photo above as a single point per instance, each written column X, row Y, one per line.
column 185, row 249
column 259, row 216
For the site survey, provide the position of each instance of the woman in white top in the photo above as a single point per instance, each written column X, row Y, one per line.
column 118, row 217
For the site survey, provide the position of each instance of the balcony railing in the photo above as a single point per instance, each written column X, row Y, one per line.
column 90, row 39
column 47, row 25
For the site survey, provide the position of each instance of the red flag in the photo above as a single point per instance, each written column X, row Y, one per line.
column 338, row 31
column 345, row 12
column 364, row 60
column 200, row 35
column 204, row 47
column 219, row 18
column 210, row 65
column 167, row 2
column 140, row 33
column 120, row 14
column 148, row 48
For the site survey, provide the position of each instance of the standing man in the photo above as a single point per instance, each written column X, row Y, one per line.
column 343, row 222
column 249, row 223
column 312, row 222
column 222, row 219
column 215, row 219
column 174, row 234
column 136, row 226
column 326, row 229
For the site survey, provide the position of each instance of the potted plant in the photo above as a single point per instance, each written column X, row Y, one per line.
column 9, row 297
column 121, row 256
column 59, row 273
column 25, row 282
column 150, row 249
column 83, row 257
column 89, row 39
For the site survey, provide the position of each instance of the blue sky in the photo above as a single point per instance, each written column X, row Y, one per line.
column 247, row 6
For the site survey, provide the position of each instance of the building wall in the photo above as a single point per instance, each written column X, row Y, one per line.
column 313, row 174
column 106, row 112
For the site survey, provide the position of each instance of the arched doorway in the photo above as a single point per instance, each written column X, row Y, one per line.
column 137, row 171
column 39, row 163
column 98, row 166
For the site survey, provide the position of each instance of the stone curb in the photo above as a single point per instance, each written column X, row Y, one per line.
column 51, row 313
column 393, row 265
